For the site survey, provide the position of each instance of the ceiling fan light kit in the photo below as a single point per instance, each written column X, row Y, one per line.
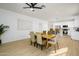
column 32, row 9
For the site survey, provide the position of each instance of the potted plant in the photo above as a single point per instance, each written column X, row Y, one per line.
column 3, row 29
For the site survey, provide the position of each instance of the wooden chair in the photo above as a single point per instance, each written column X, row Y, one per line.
column 44, row 32
column 54, row 42
column 33, row 40
column 40, row 42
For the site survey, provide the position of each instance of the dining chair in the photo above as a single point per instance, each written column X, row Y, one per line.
column 32, row 38
column 44, row 32
column 54, row 42
column 40, row 42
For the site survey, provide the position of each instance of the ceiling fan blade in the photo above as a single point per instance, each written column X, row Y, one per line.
column 34, row 4
column 28, row 4
column 26, row 7
column 37, row 7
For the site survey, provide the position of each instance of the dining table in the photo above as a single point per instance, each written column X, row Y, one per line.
column 48, row 37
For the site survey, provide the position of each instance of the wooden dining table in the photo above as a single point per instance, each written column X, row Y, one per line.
column 48, row 37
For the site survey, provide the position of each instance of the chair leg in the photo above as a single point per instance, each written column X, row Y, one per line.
column 34, row 43
column 31, row 42
column 44, row 46
column 57, row 45
column 55, row 48
column 37, row 45
column 41, row 47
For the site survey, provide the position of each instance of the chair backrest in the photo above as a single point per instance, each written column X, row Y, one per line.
column 39, row 38
column 49, row 32
column 44, row 32
column 32, row 35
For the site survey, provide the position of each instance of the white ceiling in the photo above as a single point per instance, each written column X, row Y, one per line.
column 52, row 10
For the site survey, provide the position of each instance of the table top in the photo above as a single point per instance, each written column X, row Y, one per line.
column 48, row 36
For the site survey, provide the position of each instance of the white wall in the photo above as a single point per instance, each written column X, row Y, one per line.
column 10, row 18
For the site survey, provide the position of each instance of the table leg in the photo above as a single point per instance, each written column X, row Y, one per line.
column 47, row 43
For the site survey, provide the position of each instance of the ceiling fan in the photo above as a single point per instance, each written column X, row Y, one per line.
column 33, row 6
